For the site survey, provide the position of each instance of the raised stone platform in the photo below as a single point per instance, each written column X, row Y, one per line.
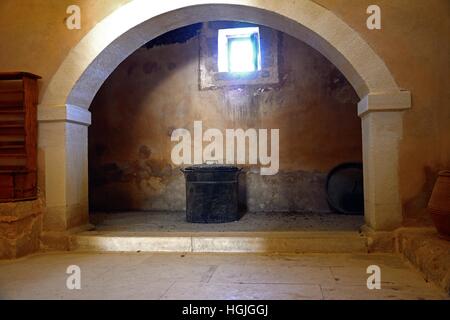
column 262, row 242
column 427, row 252
column 136, row 221
column 255, row 232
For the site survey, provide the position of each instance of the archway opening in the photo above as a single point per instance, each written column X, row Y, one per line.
column 173, row 82
column 71, row 90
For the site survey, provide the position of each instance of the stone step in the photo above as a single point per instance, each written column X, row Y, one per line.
column 254, row 242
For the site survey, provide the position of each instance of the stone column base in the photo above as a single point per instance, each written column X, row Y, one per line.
column 61, row 240
column 20, row 228
column 379, row 241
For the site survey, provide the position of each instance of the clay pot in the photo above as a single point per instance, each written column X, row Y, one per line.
column 439, row 204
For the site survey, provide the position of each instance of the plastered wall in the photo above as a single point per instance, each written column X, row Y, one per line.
column 157, row 90
column 413, row 43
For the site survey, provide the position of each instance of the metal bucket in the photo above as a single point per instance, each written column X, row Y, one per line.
column 212, row 193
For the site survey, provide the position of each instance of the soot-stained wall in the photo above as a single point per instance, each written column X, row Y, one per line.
column 156, row 90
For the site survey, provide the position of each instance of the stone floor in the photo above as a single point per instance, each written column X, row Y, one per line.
column 211, row 276
column 176, row 221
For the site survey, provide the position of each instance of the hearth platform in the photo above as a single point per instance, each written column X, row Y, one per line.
column 255, row 232
column 250, row 222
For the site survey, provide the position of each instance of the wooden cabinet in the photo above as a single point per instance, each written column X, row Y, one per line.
column 18, row 136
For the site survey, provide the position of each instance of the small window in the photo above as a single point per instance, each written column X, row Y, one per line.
column 239, row 50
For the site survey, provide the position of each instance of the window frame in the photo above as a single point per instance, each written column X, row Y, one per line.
column 210, row 75
column 226, row 36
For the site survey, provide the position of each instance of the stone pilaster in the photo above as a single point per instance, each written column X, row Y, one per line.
column 63, row 134
column 382, row 130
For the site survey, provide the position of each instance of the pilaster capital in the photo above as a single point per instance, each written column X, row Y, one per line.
column 385, row 101
column 64, row 113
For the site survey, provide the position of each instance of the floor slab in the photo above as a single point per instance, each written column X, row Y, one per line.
column 211, row 276
column 241, row 291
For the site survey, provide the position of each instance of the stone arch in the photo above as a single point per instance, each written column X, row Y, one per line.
column 74, row 85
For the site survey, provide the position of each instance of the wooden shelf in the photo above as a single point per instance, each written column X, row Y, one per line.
column 13, row 169
column 12, row 111
column 18, row 75
column 12, row 131
column 18, row 136
column 9, row 123
column 12, row 144
column 11, row 91
column 14, row 155
column 10, row 104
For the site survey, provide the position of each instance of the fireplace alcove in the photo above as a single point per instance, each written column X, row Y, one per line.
column 64, row 107
column 133, row 183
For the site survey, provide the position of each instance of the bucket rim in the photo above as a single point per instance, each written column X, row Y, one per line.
column 211, row 168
